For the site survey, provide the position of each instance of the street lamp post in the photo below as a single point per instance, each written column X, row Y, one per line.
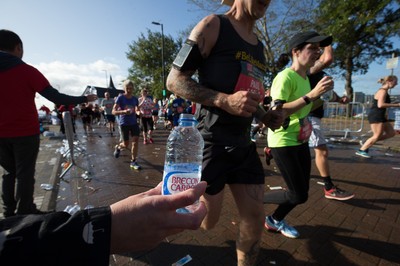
column 164, row 92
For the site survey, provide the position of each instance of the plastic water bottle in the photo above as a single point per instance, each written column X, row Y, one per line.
column 92, row 90
column 183, row 159
column 327, row 96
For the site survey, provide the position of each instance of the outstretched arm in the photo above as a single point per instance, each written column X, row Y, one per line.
column 55, row 96
column 139, row 222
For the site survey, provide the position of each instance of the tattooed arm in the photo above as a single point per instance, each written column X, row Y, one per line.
column 242, row 103
column 324, row 60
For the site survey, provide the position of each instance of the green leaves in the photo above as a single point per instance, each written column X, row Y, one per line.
column 146, row 56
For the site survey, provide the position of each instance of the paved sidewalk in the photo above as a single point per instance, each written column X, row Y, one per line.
column 362, row 231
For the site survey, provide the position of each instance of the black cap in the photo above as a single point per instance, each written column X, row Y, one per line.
column 309, row 37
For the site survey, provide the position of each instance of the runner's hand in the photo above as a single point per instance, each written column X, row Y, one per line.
column 241, row 103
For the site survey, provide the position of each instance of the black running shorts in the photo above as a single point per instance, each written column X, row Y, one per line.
column 231, row 165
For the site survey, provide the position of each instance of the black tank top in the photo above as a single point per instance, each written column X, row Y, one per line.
column 376, row 114
column 232, row 61
column 314, row 79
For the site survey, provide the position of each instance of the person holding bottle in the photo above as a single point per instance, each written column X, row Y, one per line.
column 231, row 64
column 126, row 107
column 146, row 106
column 289, row 144
column 377, row 117
column 19, row 129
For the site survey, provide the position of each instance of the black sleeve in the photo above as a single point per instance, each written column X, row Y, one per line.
column 57, row 238
column 55, row 96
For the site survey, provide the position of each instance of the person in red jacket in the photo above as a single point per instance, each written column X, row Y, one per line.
column 19, row 129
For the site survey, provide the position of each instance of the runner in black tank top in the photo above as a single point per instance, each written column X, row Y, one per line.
column 381, row 128
column 231, row 67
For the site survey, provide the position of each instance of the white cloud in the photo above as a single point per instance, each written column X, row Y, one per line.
column 72, row 79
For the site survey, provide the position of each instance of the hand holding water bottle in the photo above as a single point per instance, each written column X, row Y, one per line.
column 183, row 159
column 142, row 221
column 325, row 89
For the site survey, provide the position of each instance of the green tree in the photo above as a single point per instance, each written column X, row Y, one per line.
column 145, row 54
column 282, row 20
column 363, row 32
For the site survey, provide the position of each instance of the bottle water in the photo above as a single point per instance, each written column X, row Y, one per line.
column 327, row 96
column 92, row 90
column 183, row 159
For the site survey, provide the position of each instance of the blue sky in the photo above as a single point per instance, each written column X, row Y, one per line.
column 76, row 43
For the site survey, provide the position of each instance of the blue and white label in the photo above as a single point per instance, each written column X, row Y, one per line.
column 179, row 177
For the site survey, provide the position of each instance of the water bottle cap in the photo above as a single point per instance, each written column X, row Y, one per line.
column 187, row 118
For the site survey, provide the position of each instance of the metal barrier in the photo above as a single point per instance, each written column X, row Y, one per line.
column 343, row 118
column 397, row 120
column 72, row 146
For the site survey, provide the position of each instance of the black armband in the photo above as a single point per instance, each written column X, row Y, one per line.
column 189, row 57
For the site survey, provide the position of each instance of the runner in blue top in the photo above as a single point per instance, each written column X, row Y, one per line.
column 126, row 106
column 178, row 107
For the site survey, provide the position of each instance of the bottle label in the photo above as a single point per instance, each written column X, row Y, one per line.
column 179, row 177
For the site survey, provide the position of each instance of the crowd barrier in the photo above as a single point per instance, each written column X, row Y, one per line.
column 73, row 147
column 397, row 120
column 343, row 119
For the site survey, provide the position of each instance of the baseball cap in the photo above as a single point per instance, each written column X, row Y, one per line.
column 309, row 37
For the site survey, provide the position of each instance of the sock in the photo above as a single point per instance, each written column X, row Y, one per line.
column 328, row 182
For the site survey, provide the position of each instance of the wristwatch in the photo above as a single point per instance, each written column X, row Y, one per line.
column 306, row 99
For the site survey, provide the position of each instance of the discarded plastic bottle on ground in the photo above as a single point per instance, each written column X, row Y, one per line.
column 183, row 159
column 46, row 186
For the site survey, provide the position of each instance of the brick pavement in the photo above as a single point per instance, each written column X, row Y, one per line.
column 361, row 231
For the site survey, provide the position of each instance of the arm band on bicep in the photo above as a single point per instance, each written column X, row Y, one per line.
column 189, row 57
